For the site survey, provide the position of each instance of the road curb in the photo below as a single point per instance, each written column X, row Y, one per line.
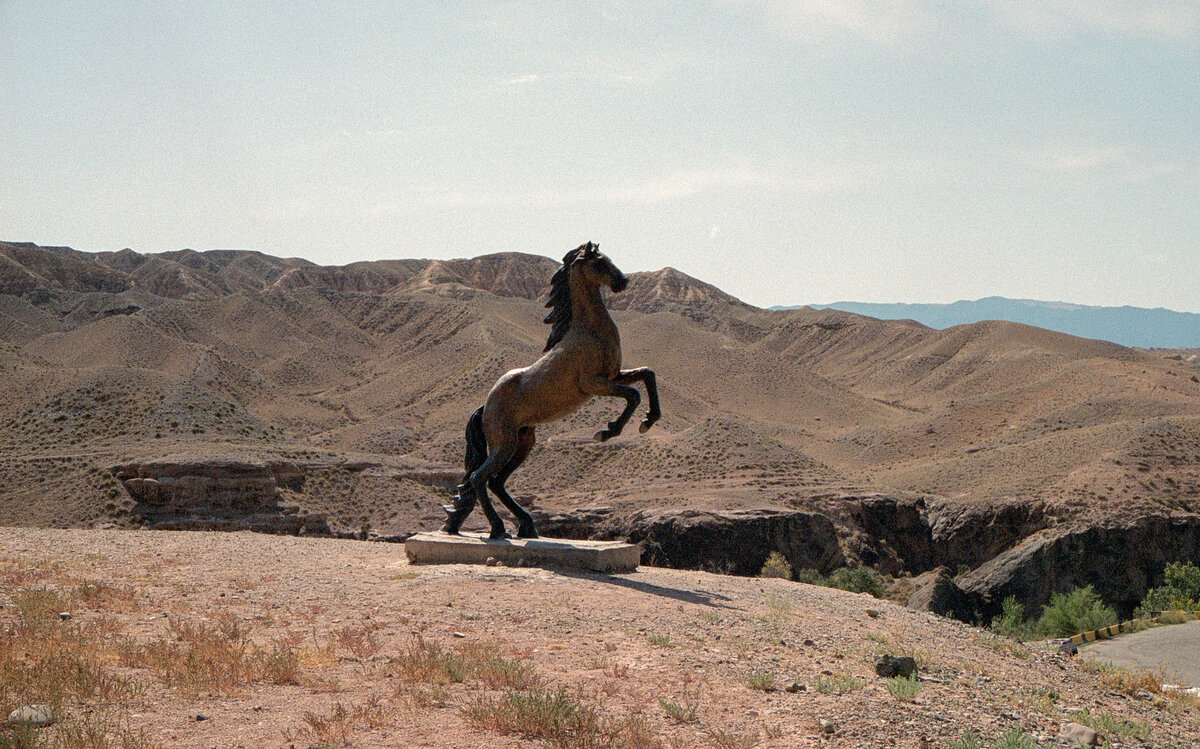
column 1070, row 644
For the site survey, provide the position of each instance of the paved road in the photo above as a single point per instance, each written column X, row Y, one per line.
column 1175, row 647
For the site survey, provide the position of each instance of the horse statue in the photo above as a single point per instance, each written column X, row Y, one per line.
column 582, row 360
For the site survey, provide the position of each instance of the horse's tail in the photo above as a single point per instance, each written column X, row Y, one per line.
column 477, row 448
column 477, row 451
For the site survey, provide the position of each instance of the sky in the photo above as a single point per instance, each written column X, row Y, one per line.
column 788, row 152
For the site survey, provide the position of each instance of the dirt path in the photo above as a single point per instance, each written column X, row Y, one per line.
column 664, row 659
column 1175, row 649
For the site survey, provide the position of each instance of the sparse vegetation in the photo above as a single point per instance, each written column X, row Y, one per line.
column 1011, row 621
column 968, row 740
column 1180, row 590
column 763, row 681
column 837, row 683
column 561, row 719
column 1080, row 610
column 853, row 579
column 902, row 688
column 776, row 566
column 685, row 713
column 1015, row 739
column 1104, row 723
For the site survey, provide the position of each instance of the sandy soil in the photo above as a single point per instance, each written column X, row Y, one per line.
column 624, row 644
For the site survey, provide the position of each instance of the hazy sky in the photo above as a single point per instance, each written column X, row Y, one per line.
column 789, row 152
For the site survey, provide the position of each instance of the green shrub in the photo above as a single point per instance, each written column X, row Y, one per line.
column 857, row 580
column 903, row 688
column 853, row 579
column 969, row 740
column 1080, row 610
column 812, row 577
column 1180, row 590
column 1011, row 622
column 776, row 566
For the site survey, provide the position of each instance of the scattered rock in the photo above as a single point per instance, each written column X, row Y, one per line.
column 33, row 716
column 491, row 561
column 796, row 686
column 64, row 615
column 809, row 643
column 201, row 717
column 459, row 634
column 827, row 726
column 896, row 665
column 873, row 613
column 1078, row 735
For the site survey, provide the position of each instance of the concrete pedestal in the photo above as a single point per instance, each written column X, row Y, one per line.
column 473, row 548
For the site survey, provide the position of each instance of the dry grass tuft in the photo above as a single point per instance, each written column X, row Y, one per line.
column 561, row 720
column 200, row 658
column 340, row 725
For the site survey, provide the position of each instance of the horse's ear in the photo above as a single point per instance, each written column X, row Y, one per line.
column 590, row 250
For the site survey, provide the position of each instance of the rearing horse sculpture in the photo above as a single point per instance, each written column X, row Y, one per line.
column 582, row 360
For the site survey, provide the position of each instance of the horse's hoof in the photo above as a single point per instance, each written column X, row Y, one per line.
column 603, row 435
column 450, row 531
column 499, row 533
column 527, row 533
column 645, row 426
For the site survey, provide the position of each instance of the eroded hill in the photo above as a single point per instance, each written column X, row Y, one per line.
column 234, row 389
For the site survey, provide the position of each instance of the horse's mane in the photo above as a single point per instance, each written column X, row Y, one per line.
column 560, row 299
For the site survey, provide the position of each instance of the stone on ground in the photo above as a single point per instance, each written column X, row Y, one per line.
column 34, row 716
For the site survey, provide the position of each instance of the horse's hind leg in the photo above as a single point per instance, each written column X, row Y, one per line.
column 496, row 460
column 525, row 528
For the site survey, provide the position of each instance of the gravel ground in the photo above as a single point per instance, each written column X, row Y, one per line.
column 626, row 644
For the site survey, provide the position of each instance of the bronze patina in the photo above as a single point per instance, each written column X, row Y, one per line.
column 582, row 360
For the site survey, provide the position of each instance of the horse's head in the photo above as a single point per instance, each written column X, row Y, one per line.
column 595, row 267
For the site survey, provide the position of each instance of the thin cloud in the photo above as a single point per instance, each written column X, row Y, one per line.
column 1074, row 158
column 816, row 178
column 521, row 80
column 829, row 20
column 901, row 21
column 1169, row 19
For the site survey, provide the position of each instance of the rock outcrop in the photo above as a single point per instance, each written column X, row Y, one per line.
column 737, row 542
column 1121, row 560
column 217, row 493
column 937, row 592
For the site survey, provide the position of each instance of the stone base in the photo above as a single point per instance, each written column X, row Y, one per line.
column 475, row 548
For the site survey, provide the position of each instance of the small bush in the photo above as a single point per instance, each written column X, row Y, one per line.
column 685, row 713
column 763, row 681
column 812, row 577
column 776, row 566
column 968, row 740
column 1103, row 722
column 1180, row 590
column 1016, row 739
column 857, row 580
column 1080, row 610
column 556, row 717
column 838, row 684
column 1011, row 622
column 904, row 689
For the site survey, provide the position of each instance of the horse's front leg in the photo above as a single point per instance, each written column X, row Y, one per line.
column 602, row 386
column 646, row 376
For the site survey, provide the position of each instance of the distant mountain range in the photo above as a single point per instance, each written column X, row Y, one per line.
column 1128, row 326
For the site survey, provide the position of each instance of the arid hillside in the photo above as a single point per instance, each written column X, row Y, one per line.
column 241, row 639
column 232, row 389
